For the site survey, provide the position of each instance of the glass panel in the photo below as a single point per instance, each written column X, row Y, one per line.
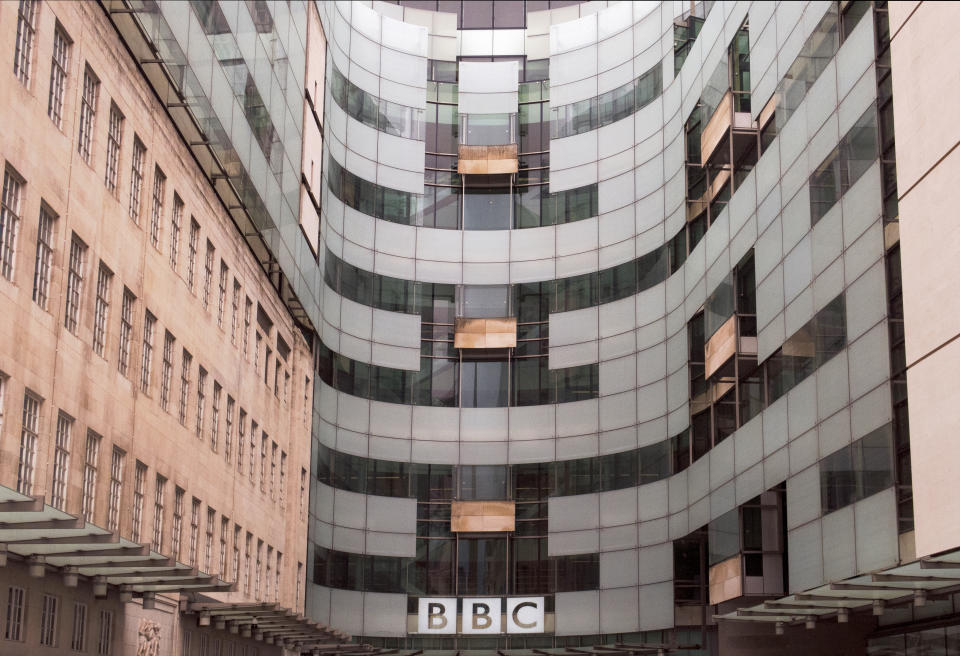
column 483, row 482
column 485, row 301
column 484, row 384
column 487, row 208
column 490, row 129
column 481, row 566
column 724, row 536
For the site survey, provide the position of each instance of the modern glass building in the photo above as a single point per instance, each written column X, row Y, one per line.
column 615, row 345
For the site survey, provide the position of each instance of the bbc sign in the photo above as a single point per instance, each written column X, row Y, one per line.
column 482, row 615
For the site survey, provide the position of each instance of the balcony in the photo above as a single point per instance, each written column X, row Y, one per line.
column 736, row 130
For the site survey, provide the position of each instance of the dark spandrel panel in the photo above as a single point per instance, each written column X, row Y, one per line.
column 510, row 14
column 476, row 15
column 837, row 480
column 580, row 572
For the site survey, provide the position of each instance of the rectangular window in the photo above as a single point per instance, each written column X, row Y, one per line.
column 156, row 214
column 175, row 220
column 23, row 51
column 139, row 491
column 192, row 252
column 91, row 461
column 146, row 354
column 235, row 309
column 263, row 462
column 28, row 443
column 41, row 270
column 16, row 605
column 208, row 539
column 259, row 569
column 101, row 308
column 296, row 603
column 114, row 138
column 257, row 339
column 61, row 461
column 228, row 433
column 268, row 578
column 207, row 274
column 117, row 460
column 78, row 252
column 201, row 400
column 224, row 527
column 78, row 641
column 236, row 554
column 177, row 530
column 58, row 75
column 283, row 479
column 278, row 570
column 247, row 309
column 166, row 373
column 241, row 435
column 303, row 492
column 105, row 639
column 273, row 470
column 126, row 331
column 246, row 564
column 215, row 416
column 194, row 532
column 253, row 450
column 9, row 222
column 185, row 364
column 88, row 113
column 224, row 271
column 48, row 621
column 266, row 366
column 158, row 507
column 136, row 178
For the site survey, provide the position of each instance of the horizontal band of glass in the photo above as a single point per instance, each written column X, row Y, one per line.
column 383, row 115
column 610, row 107
column 857, row 471
column 451, row 383
column 845, row 164
column 438, row 565
column 441, row 207
column 814, row 344
column 814, row 57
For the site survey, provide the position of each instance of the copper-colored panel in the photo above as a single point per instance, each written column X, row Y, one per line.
column 485, row 333
column 721, row 346
column 482, row 516
column 485, row 160
column 725, row 580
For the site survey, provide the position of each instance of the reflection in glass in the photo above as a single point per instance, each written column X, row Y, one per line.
column 482, row 566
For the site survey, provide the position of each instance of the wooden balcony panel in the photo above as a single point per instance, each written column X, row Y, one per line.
column 487, row 160
column 482, row 516
column 721, row 346
column 485, row 333
column 726, row 582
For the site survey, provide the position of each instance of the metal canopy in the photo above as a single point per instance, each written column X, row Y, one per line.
column 274, row 623
column 915, row 583
column 49, row 539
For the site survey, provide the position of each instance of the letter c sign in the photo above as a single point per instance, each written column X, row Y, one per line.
column 525, row 615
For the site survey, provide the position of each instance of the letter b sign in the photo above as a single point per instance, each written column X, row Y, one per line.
column 481, row 615
column 437, row 615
